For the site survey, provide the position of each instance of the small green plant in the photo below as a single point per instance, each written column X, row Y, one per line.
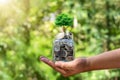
column 64, row 20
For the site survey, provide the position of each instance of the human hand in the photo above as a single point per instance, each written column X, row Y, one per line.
column 76, row 66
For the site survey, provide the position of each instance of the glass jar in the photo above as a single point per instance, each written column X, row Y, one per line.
column 63, row 47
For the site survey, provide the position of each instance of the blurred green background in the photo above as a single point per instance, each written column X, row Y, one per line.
column 27, row 31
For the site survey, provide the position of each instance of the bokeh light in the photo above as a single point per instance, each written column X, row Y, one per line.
column 3, row 2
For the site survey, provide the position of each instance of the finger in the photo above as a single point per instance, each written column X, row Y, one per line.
column 68, row 75
column 71, row 73
column 47, row 61
column 63, row 65
column 63, row 72
column 50, row 63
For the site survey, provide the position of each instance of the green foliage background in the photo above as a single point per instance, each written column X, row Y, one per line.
column 27, row 31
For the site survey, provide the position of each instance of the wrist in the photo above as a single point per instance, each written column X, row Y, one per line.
column 84, row 64
column 88, row 64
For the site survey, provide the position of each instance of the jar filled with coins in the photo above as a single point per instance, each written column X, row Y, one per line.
column 63, row 47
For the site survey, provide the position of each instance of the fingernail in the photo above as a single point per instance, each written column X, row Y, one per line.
column 42, row 58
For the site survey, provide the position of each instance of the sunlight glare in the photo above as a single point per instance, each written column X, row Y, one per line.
column 2, row 2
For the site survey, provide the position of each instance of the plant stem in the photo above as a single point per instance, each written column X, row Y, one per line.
column 64, row 29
